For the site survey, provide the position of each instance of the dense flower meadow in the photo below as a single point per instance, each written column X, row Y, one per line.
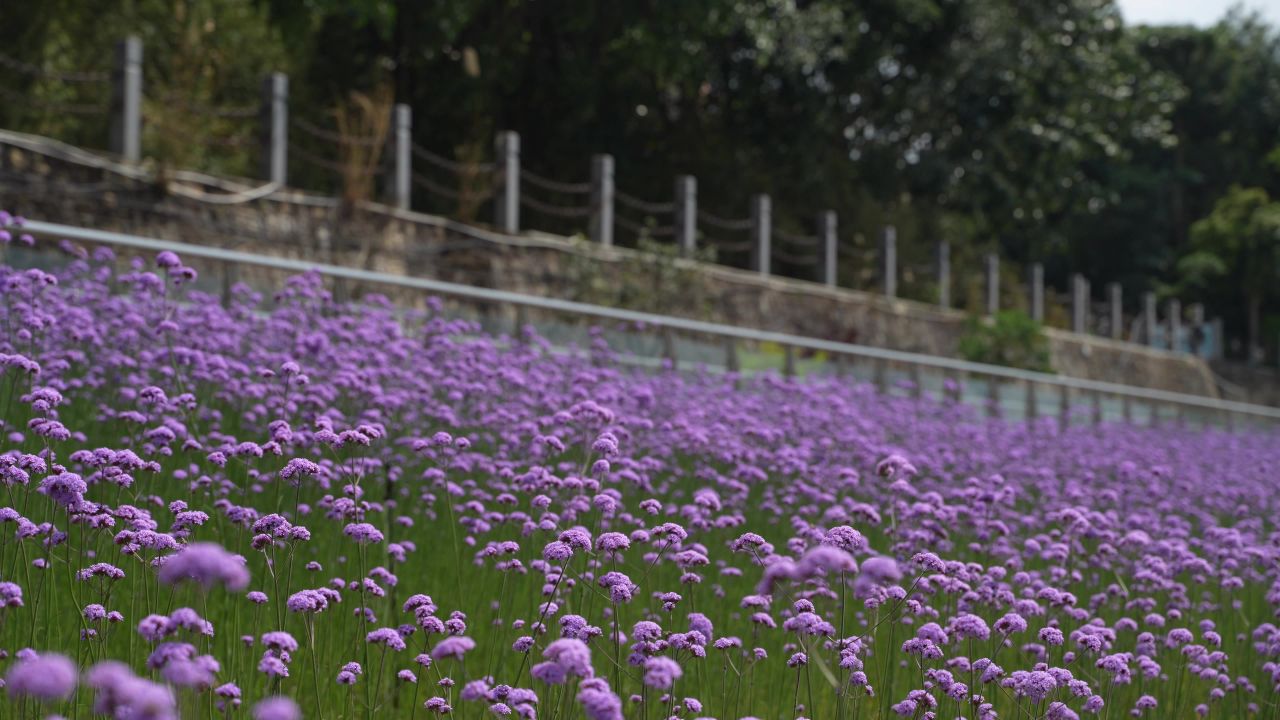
column 291, row 507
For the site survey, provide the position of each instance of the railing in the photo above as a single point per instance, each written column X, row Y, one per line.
column 1010, row 392
column 595, row 206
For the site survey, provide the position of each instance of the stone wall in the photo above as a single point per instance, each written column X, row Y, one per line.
column 63, row 188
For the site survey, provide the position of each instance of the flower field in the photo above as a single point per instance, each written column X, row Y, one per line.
column 292, row 507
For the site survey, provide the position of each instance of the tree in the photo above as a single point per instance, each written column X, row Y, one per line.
column 1237, row 248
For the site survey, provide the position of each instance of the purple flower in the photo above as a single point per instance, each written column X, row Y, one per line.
column 598, row 701
column 970, row 626
column 280, row 641
column 47, row 677
column 123, row 695
column 363, row 533
column 612, row 542
column 828, row 559
column 557, row 551
column 573, row 656
column 386, row 636
column 661, row 672
column 879, row 571
column 277, row 708
column 1051, row 636
column 454, row 646
column 207, row 564
column 1010, row 623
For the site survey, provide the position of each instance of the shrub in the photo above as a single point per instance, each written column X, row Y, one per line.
column 1011, row 339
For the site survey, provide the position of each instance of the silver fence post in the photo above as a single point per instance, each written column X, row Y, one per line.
column 993, row 284
column 1175, row 322
column 993, row 396
column 602, row 199
column 1219, row 342
column 1079, row 303
column 274, row 123
column 1037, row 292
column 761, row 228
column 827, row 246
column 944, row 274
column 507, row 207
column 889, row 260
column 669, row 348
column 521, row 320
column 402, row 127
column 1115, row 297
column 1149, row 319
column 126, row 100
column 687, row 213
column 731, row 355
column 1196, row 310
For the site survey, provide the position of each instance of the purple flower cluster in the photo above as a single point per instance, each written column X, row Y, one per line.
column 296, row 507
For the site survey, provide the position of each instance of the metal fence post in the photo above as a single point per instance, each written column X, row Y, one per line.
column 126, row 100
column 402, row 129
column 1115, row 297
column 273, row 119
column 521, row 320
column 889, row 260
column 602, row 199
column 687, row 213
column 731, row 355
column 827, row 246
column 944, row 274
column 993, row 397
column 1219, row 342
column 1175, row 322
column 1196, row 321
column 1149, row 319
column 669, row 353
column 1079, row 303
column 1037, row 292
column 761, row 228
column 507, row 205
column 993, row 284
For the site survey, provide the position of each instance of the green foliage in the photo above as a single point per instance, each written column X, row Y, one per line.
column 197, row 54
column 1243, row 235
column 1011, row 339
column 1236, row 250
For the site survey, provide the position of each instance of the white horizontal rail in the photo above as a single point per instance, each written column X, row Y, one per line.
column 53, row 230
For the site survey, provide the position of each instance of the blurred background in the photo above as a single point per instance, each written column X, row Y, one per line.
column 1134, row 141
